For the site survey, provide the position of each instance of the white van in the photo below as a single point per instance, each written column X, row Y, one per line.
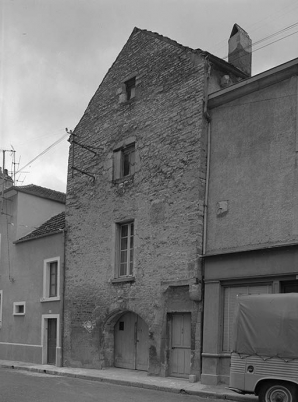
column 264, row 360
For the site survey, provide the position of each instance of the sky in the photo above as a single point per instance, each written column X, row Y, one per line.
column 55, row 53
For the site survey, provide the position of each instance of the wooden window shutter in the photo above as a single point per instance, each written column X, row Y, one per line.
column 117, row 164
column 132, row 161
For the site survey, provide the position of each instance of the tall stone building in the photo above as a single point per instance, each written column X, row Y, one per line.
column 135, row 209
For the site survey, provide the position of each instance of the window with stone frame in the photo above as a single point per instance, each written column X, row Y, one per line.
column 130, row 88
column 127, row 90
column 124, row 162
column 125, row 249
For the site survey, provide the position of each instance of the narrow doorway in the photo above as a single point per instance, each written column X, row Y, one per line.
column 51, row 341
column 289, row 286
column 180, row 344
column 131, row 342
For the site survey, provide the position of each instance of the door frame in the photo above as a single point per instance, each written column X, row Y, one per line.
column 135, row 344
column 44, row 338
column 170, row 315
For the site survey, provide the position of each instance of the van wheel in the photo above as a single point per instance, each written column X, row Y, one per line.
column 278, row 392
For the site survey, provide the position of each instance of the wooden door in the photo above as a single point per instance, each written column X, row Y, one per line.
column 124, row 341
column 180, row 345
column 131, row 342
column 52, row 341
column 142, row 354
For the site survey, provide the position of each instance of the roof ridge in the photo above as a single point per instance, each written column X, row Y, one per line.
column 27, row 186
column 168, row 40
column 204, row 53
column 40, row 191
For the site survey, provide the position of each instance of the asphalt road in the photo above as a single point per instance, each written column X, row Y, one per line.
column 26, row 386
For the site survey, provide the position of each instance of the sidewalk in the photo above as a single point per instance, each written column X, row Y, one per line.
column 135, row 379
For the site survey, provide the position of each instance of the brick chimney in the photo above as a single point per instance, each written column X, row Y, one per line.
column 240, row 49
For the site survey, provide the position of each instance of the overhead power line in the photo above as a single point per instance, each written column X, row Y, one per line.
column 276, row 15
column 271, row 36
column 43, row 152
column 253, row 44
column 277, row 40
column 276, row 33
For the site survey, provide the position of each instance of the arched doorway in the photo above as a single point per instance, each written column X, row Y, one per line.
column 131, row 342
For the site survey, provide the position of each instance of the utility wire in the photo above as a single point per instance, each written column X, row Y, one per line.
column 222, row 43
column 43, row 152
column 253, row 44
column 277, row 15
column 268, row 44
column 275, row 33
column 271, row 36
column 225, row 106
column 277, row 40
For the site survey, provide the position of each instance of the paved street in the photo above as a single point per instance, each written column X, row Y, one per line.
column 26, row 386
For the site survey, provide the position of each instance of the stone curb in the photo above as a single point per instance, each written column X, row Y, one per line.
column 201, row 393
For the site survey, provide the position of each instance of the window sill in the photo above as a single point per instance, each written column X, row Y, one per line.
column 217, row 355
column 123, row 279
column 124, row 180
column 127, row 101
column 49, row 299
column 18, row 313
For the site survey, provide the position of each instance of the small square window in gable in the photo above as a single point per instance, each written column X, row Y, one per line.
column 124, row 162
column 130, row 87
column 127, row 90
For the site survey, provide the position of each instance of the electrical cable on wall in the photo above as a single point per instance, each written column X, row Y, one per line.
column 89, row 148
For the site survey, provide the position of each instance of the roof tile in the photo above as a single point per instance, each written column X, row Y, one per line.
column 51, row 226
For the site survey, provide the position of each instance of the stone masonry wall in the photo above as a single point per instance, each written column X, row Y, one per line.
column 164, row 197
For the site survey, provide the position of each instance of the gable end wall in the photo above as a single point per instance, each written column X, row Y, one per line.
column 164, row 197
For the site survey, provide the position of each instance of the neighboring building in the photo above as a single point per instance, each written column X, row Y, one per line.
column 135, row 208
column 5, row 180
column 32, row 224
column 252, row 226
